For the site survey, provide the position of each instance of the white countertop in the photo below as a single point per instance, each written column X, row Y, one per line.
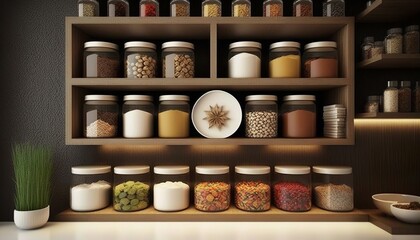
column 201, row 231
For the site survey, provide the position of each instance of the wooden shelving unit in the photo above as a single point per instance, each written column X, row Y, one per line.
column 389, row 11
column 385, row 61
column 391, row 224
column 389, row 115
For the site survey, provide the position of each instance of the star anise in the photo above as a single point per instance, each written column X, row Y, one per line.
column 216, row 116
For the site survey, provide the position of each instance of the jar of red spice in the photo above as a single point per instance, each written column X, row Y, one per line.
column 292, row 188
column 149, row 8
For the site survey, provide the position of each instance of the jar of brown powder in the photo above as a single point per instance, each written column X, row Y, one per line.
column 320, row 60
column 298, row 114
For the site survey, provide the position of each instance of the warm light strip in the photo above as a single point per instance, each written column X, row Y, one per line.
column 212, row 148
column 294, row 148
column 376, row 122
column 131, row 148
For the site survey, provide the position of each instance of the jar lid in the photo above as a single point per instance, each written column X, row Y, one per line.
column 374, row 98
column 394, row 30
column 171, row 170
column 285, row 44
column 174, row 98
column 299, row 98
column 101, row 44
column 412, row 28
column 405, row 83
column 212, row 170
column 332, row 170
column 101, row 98
column 131, row 170
column 293, row 170
column 261, row 98
column 90, row 170
column 329, row 44
column 392, row 83
column 245, row 44
column 252, row 170
column 138, row 98
column 140, row 44
column 178, row 44
column 368, row 39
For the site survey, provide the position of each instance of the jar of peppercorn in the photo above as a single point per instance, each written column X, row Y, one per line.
column 211, row 8
column 273, row 8
column 302, row 8
column 241, row 8
column 180, row 8
column 149, row 8
column 118, row 8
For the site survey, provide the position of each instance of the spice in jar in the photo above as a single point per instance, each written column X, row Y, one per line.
column 292, row 196
column 88, row 8
column 131, row 196
column 212, row 196
column 241, row 8
column 335, row 197
column 368, row 44
column 149, row 8
column 118, row 8
column 333, row 8
column 212, row 8
column 273, row 8
column 391, row 97
column 252, row 196
column 411, row 39
column 416, row 98
column 372, row 105
column 180, row 8
column 178, row 60
column 261, row 124
column 404, row 97
column 394, row 41
column 377, row 49
column 302, row 8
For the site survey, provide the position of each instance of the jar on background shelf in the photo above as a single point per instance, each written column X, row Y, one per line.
column 174, row 116
column 273, row 8
column 373, row 104
column 211, row 8
column 100, row 118
column 391, row 97
column 261, row 116
column 411, row 39
column 138, row 115
column 178, row 60
column 101, row 60
column 416, row 97
column 404, row 97
column 88, row 8
column 368, row 44
column 303, row 8
column 241, row 8
column 140, row 60
column 245, row 60
column 320, row 60
column 149, row 8
column 180, row 8
column 298, row 114
column 333, row 8
column 118, row 8
column 377, row 49
column 284, row 60
column 394, row 41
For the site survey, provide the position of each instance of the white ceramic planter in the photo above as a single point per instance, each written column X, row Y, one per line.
column 31, row 219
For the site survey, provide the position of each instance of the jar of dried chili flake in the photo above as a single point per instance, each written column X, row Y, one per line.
column 149, row 8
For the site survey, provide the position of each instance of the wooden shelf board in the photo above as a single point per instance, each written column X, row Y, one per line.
column 385, row 61
column 232, row 214
column 390, row 11
column 391, row 224
column 389, row 115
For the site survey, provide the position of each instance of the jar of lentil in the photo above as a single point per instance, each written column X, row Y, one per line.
column 284, row 60
column 391, row 97
column 321, row 60
column 212, row 188
column 273, row 8
column 368, row 44
column 372, row 105
column 377, row 49
column 174, row 116
column 241, row 8
column 131, row 188
column 404, row 97
column 261, row 116
column 101, row 60
column 118, row 8
column 100, row 116
column 180, row 8
column 149, row 8
column 292, row 188
column 91, row 188
column 411, row 39
column 333, row 8
column 178, row 60
column 302, row 8
column 171, row 189
column 298, row 114
column 252, row 188
column 245, row 60
column 138, row 112
column 140, row 60
column 416, row 97
column 88, row 8
column 333, row 188
column 211, row 8
column 394, row 41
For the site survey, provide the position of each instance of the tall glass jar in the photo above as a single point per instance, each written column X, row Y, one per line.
column 320, row 60
column 212, row 188
column 298, row 114
column 138, row 114
column 101, row 60
column 411, row 39
column 261, row 116
column 416, row 97
column 245, row 60
column 333, row 8
column 391, row 97
column 394, row 41
column 292, row 188
column 178, row 60
column 241, row 8
column 285, row 60
column 91, row 188
column 149, row 8
column 100, row 118
column 118, row 8
column 180, row 8
column 273, row 8
column 373, row 104
column 140, row 60
column 88, row 8
column 377, row 49
column 211, row 8
column 131, row 188
column 404, row 97
column 368, row 44
column 174, row 116
column 302, row 8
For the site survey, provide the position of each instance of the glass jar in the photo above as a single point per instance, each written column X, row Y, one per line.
column 302, row 8
column 273, row 8
column 245, row 60
column 404, row 97
column 372, row 105
column 180, row 8
column 101, row 60
column 131, row 188
column 377, row 49
column 333, row 188
column 333, row 8
column 171, row 190
column 174, row 116
column 391, row 97
column 368, row 44
column 118, row 8
column 100, row 116
column 88, row 8
column 149, row 8
column 298, row 114
column 140, row 60
column 261, row 116
column 90, row 188
column 292, row 188
column 138, row 112
column 411, row 39
column 252, row 188
column 416, row 97
column 211, row 8
column 394, row 41
column 241, row 8
column 212, row 188
column 178, row 60
column 284, row 60
column 320, row 60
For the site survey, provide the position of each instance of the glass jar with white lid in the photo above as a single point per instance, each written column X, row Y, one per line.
column 245, row 59
column 174, row 116
column 140, row 60
column 320, row 60
column 138, row 114
column 298, row 114
column 285, row 60
column 394, row 41
column 100, row 118
column 261, row 116
column 178, row 60
column 101, row 60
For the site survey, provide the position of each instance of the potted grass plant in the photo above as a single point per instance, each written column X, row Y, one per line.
column 33, row 168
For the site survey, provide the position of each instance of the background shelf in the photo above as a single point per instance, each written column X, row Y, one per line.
column 389, row 115
column 385, row 61
column 390, row 11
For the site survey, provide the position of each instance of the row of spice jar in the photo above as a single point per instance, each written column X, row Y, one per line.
column 211, row 8
column 291, row 189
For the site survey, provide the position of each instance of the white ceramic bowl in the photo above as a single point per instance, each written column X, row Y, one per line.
column 383, row 201
column 405, row 215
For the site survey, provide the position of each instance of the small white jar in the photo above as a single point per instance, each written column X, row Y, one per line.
column 245, row 60
column 138, row 112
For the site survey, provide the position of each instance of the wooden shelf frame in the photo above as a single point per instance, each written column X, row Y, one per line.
column 389, row 115
column 390, row 11
column 386, row 61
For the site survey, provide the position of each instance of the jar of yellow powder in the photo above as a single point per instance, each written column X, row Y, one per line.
column 285, row 60
column 174, row 116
